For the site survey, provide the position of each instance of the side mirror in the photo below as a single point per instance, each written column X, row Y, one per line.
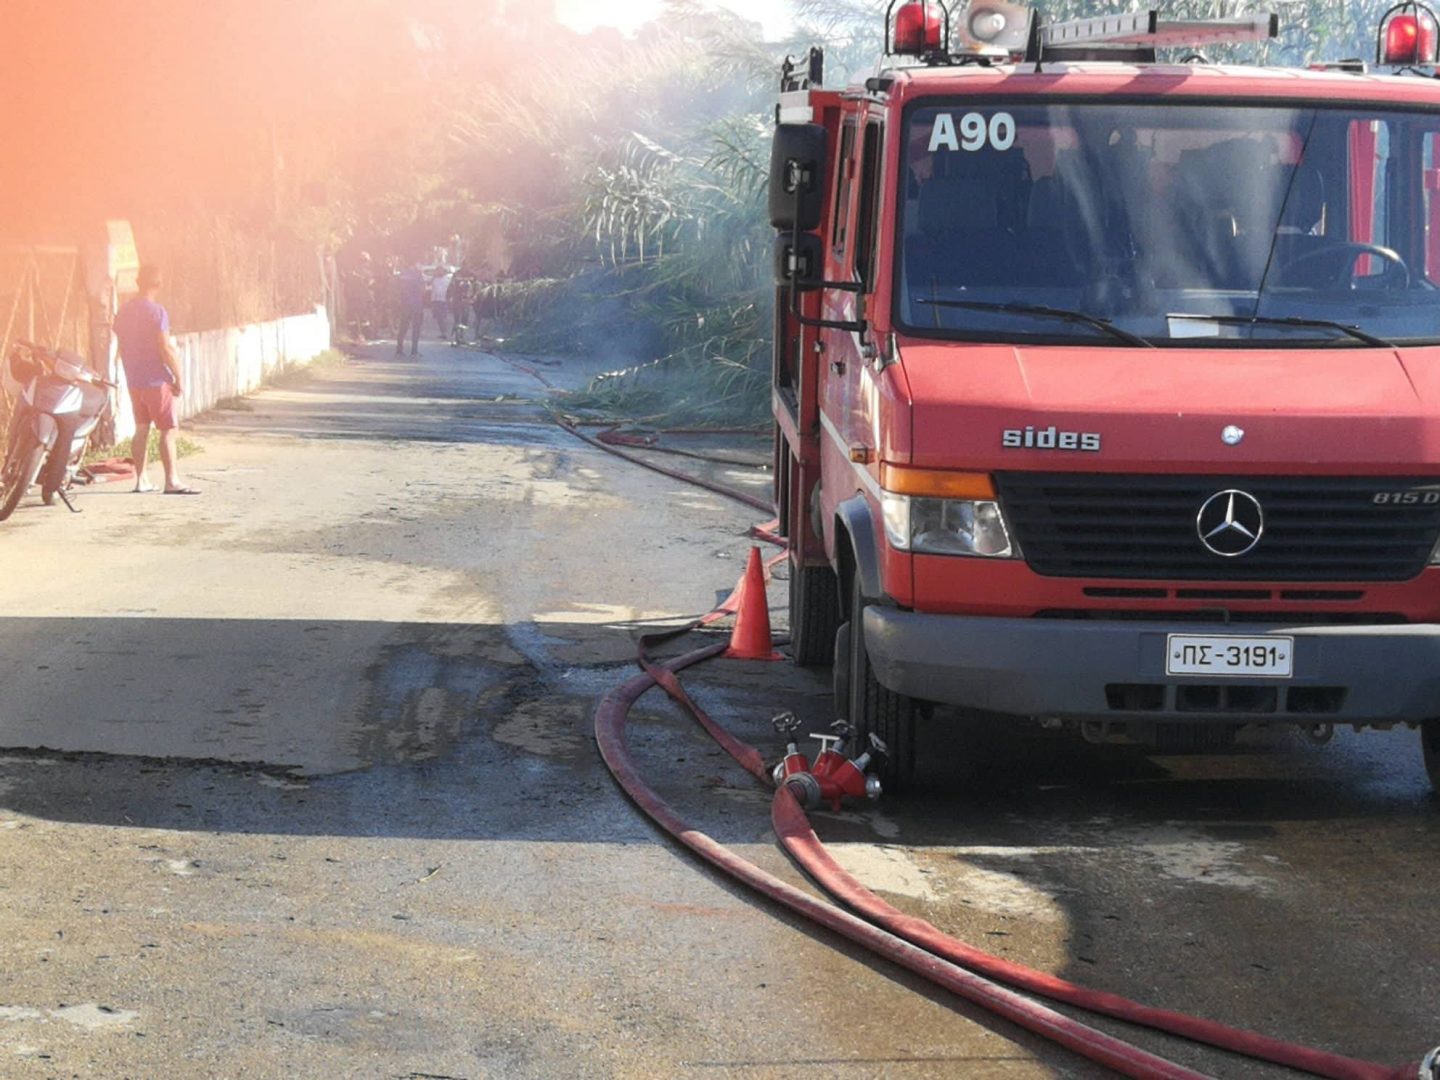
column 797, row 158
column 798, row 262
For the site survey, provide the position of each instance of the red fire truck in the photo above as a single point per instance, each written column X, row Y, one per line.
column 1107, row 390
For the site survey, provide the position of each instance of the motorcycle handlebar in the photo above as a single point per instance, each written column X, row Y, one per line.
column 47, row 356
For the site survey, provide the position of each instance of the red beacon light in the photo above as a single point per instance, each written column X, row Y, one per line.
column 921, row 28
column 1408, row 35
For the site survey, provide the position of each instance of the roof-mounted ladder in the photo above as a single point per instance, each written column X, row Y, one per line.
column 1143, row 31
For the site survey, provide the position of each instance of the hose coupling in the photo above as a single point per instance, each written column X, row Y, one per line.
column 794, row 763
column 805, row 788
column 1430, row 1066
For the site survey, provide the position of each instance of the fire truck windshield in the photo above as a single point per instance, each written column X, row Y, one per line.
column 1279, row 222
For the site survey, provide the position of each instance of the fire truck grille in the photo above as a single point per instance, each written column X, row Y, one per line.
column 1138, row 526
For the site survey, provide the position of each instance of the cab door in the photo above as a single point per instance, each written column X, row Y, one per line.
column 849, row 439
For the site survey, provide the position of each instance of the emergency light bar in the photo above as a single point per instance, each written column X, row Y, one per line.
column 1146, row 28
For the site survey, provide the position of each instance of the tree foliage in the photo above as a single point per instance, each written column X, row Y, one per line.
column 654, row 159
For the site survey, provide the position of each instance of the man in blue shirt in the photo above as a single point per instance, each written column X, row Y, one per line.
column 152, row 373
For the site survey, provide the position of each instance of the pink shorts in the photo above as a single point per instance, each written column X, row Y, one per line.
column 154, row 405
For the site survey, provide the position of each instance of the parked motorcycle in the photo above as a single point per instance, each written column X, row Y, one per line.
column 59, row 404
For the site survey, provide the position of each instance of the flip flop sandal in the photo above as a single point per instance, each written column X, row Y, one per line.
column 181, row 491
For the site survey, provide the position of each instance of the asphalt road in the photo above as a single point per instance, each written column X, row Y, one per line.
column 299, row 782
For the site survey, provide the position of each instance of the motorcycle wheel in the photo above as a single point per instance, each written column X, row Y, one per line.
column 21, row 468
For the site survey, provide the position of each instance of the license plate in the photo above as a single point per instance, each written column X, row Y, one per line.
column 1266, row 657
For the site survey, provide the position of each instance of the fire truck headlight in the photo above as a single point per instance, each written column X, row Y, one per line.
column 973, row 527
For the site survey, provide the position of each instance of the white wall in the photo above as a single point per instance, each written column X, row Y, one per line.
column 220, row 364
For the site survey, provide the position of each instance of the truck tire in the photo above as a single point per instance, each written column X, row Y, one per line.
column 814, row 613
column 1430, row 744
column 874, row 708
column 21, row 468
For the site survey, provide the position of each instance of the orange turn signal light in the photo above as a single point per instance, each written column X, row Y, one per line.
column 936, row 483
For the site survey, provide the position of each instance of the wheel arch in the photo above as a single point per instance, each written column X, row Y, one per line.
column 857, row 548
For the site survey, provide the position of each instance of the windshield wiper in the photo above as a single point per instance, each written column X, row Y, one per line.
column 1291, row 320
column 1063, row 314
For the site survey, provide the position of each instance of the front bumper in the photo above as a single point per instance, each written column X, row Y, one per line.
column 1115, row 670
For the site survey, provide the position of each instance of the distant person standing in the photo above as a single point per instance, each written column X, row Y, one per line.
column 439, row 305
column 486, row 294
column 360, row 297
column 413, row 293
column 387, row 297
column 152, row 373
column 459, row 299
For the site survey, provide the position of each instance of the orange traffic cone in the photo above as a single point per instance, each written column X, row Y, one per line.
column 750, row 640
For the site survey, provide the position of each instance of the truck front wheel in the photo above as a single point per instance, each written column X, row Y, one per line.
column 1430, row 743
column 876, row 709
column 814, row 613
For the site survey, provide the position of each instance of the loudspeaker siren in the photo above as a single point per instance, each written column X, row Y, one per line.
column 993, row 28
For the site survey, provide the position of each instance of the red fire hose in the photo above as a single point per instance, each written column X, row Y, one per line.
column 794, row 830
column 793, row 827
column 799, row 839
column 1096, row 1045
column 675, row 474
column 651, row 441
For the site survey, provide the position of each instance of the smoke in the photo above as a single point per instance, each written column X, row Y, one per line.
column 227, row 105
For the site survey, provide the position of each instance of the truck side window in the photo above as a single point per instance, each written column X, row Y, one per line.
column 845, row 170
column 869, row 197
